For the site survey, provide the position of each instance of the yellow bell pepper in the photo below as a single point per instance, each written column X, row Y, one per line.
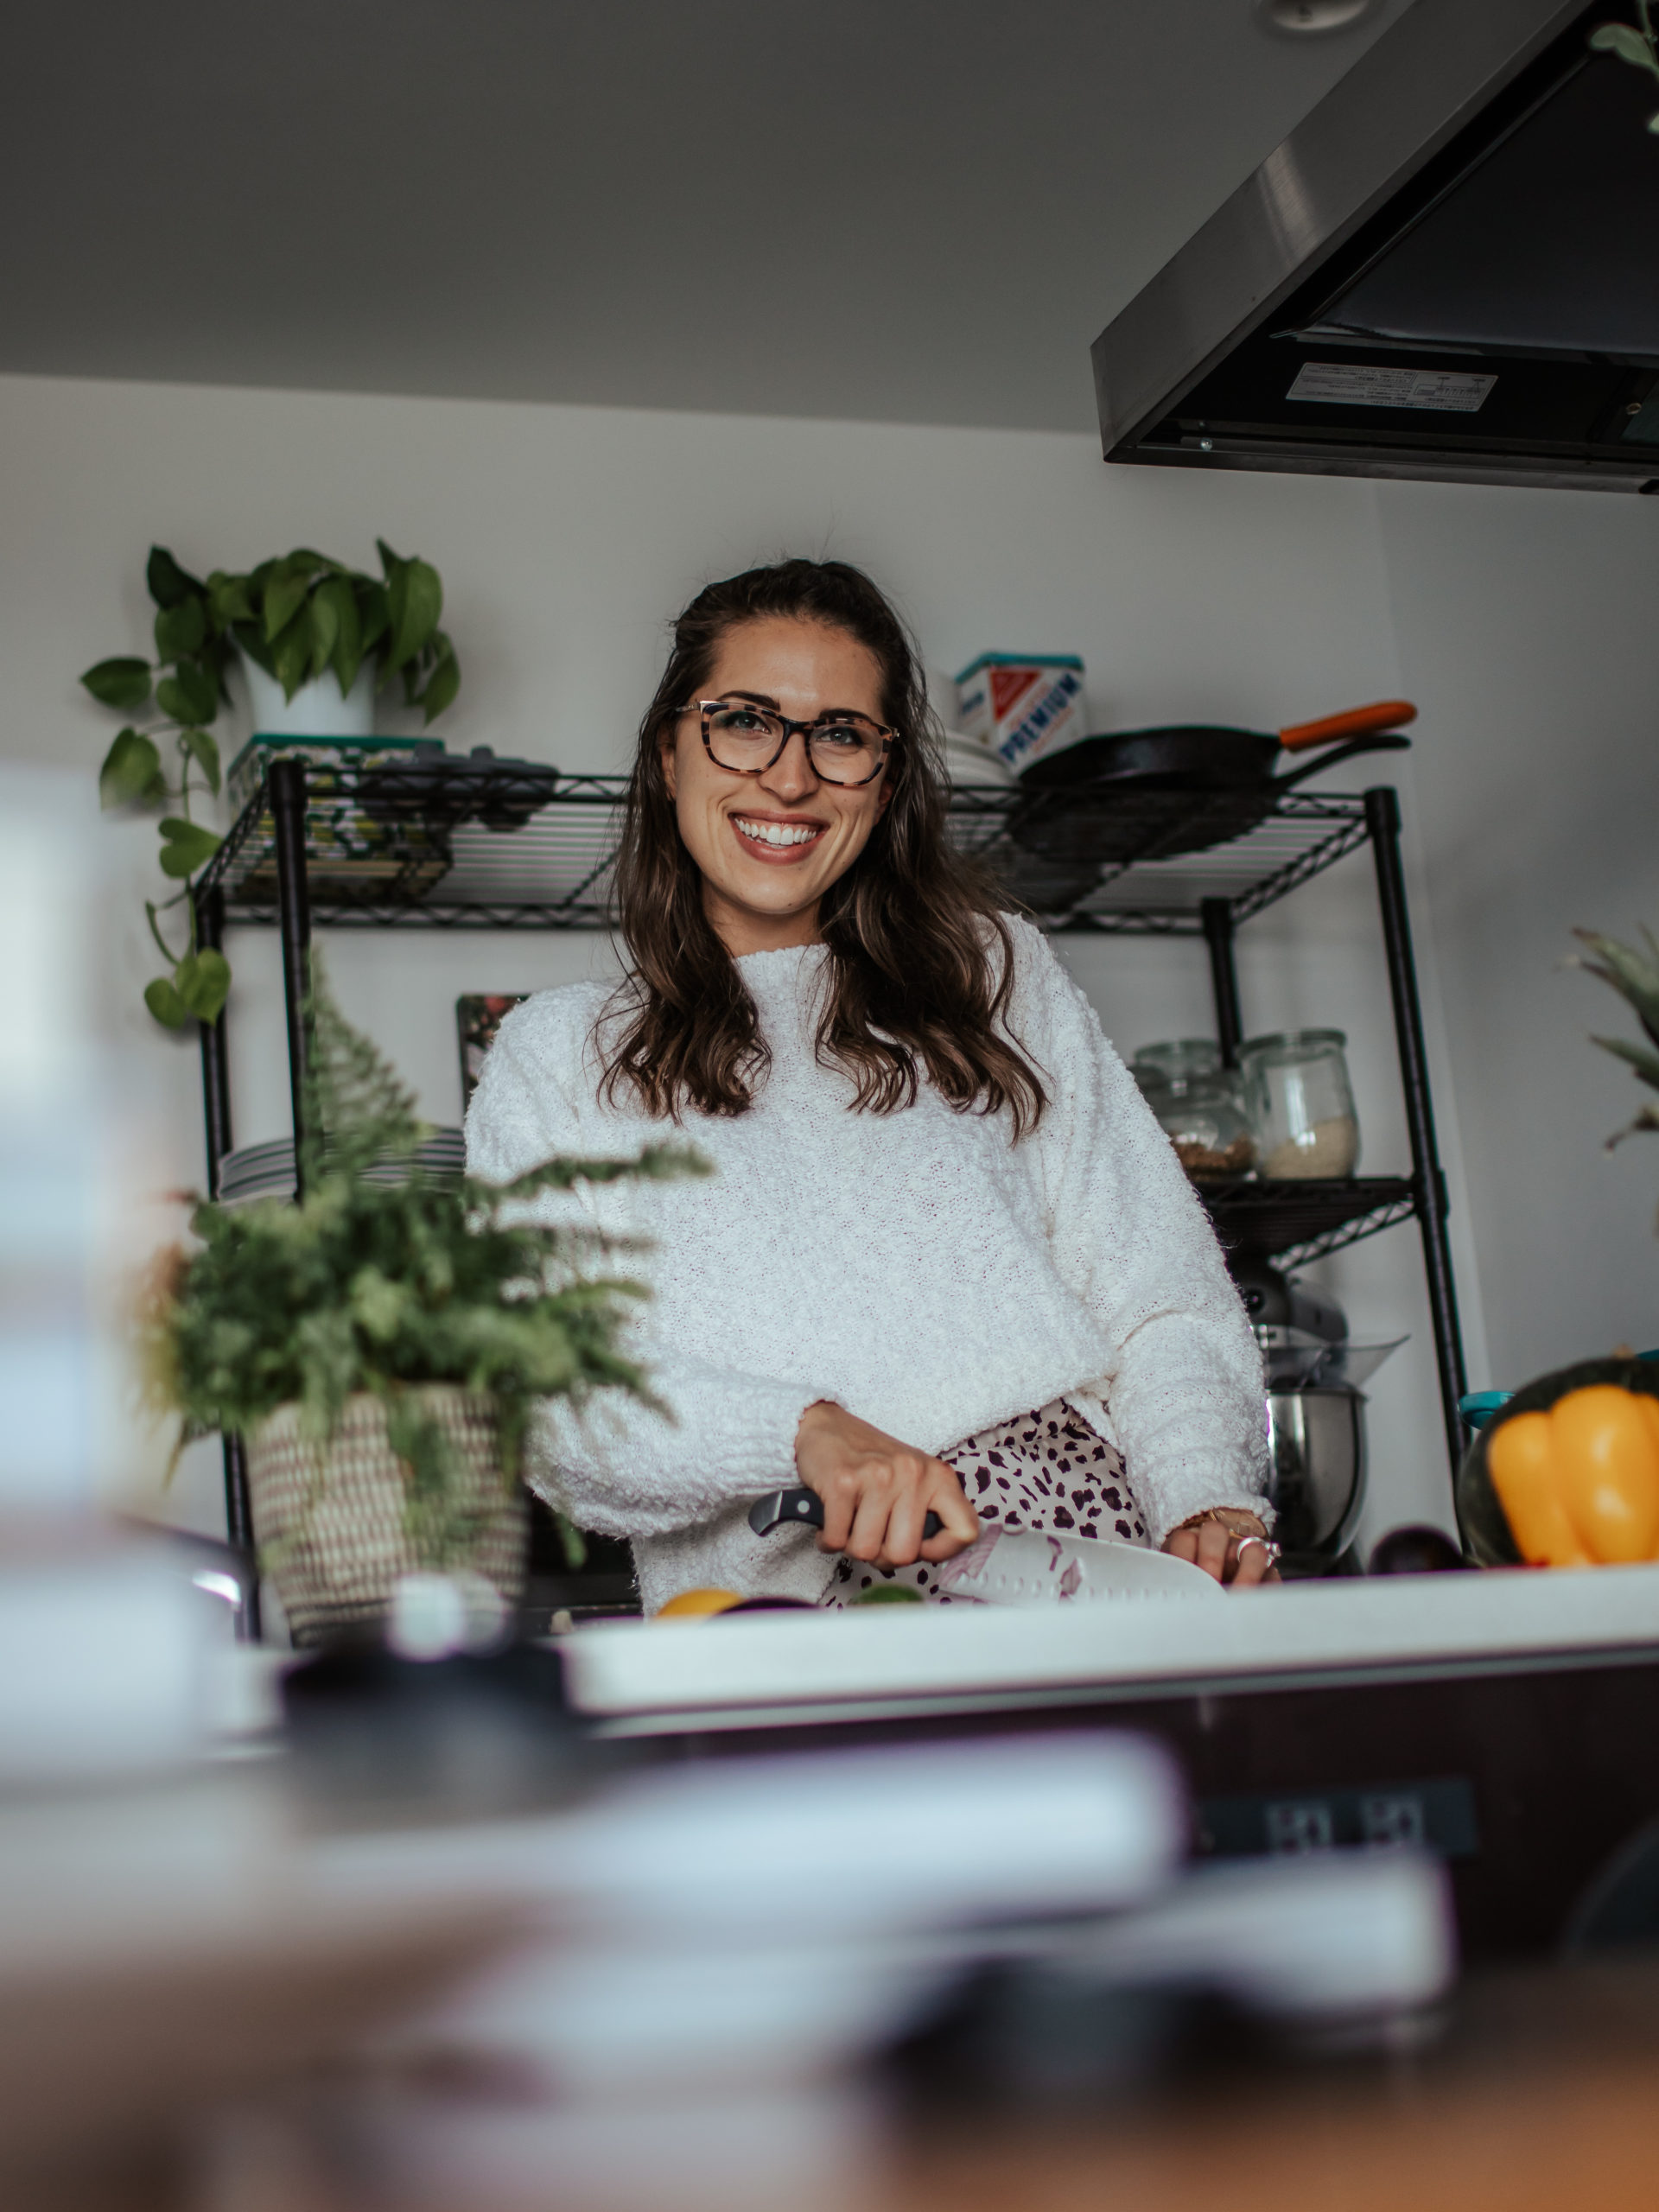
column 1521, row 1458
column 1579, row 1484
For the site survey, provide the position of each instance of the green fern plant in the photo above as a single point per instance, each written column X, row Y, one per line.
column 386, row 1286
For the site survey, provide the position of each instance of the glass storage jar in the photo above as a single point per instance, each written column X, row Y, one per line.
column 1179, row 1060
column 1200, row 1105
column 1301, row 1103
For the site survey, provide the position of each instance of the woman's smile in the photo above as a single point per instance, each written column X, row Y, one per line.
column 779, row 840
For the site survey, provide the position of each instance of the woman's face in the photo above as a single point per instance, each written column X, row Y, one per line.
column 760, row 894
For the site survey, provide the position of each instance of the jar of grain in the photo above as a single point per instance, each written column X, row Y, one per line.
column 1201, row 1106
column 1302, row 1105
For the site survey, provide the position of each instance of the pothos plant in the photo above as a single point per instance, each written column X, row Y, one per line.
column 386, row 1288
column 295, row 618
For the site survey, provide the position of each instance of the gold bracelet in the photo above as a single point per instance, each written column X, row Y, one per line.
column 1236, row 1520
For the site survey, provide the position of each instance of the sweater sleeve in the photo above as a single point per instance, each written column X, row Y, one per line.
column 1182, row 1380
column 617, row 1466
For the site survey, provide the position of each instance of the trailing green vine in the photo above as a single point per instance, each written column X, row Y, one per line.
column 1636, row 43
column 296, row 618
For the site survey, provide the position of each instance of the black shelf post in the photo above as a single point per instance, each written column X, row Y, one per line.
column 1383, row 820
column 293, row 924
column 216, row 1116
column 1216, row 915
column 215, row 1075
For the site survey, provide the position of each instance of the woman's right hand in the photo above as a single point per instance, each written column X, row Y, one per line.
column 878, row 1492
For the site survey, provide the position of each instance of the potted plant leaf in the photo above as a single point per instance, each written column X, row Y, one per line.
column 1633, row 972
column 381, row 1346
column 316, row 640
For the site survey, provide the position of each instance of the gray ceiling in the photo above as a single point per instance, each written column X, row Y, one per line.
column 901, row 210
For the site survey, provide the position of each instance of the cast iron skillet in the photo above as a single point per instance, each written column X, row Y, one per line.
column 1149, row 794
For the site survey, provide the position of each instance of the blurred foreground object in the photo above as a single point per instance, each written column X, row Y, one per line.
column 728, row 1947
column 51, row 1153
column 1231, row 1966
column 157, row 1947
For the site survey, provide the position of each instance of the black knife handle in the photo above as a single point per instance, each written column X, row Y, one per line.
column 806, row 1508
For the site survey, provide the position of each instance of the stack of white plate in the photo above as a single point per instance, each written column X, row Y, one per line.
column 967, row 761
column 266, row 1171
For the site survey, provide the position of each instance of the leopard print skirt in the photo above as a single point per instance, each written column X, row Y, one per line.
column 1045, row 1472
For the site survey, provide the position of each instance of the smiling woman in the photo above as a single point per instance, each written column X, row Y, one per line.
column 746, row 822
column 949, row 1255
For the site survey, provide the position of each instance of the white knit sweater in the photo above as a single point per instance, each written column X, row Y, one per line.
column 919, row 1268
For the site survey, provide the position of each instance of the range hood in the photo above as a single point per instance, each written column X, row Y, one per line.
column 1451, row 270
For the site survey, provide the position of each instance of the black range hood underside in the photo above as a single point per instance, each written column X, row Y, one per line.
column 1449, row 271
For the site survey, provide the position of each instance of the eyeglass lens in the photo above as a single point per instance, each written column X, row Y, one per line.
column 845, row 751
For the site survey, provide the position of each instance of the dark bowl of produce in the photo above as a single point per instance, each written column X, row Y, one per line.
column 1418, row 1548
column 1486, row 1535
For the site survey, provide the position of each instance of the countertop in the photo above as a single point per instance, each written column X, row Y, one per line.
column 754, row 1668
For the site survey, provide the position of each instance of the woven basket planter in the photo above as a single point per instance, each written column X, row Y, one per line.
column 329, row 1518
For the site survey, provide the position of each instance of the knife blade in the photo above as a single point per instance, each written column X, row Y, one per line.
column 1010, row 1566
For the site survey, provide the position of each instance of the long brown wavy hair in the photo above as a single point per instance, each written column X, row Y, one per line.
column 921, row 962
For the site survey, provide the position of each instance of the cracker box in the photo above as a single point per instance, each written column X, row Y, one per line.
column 1024, row 706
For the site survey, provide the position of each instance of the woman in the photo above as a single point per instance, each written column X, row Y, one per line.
column 948, row 1262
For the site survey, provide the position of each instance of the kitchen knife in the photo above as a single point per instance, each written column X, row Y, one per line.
column 806, row 1507
column 1008, row 1567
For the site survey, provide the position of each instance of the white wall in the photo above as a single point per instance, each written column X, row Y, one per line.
column 568, row 537
column 1525, row 622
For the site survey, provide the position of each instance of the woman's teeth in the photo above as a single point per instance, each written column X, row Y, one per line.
column 777, row 833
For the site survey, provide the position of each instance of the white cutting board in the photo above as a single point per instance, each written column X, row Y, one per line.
column 1008, row 1567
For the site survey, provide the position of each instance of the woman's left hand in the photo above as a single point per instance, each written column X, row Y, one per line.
column 1239, row 1557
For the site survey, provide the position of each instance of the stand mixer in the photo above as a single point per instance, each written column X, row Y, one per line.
column 1316, row 1411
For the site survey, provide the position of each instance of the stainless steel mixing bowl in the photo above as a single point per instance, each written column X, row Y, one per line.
column 1317, row 1439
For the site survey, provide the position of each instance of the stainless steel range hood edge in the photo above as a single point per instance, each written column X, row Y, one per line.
column 1400, row 105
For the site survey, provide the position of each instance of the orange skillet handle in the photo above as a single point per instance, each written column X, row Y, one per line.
column 1358, row 721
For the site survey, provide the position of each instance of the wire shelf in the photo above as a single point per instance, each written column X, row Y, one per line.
column 503, row 848
column 1291, row 1224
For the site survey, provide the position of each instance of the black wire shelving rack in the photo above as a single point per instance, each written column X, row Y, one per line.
column 499, row 849
column 460, row 844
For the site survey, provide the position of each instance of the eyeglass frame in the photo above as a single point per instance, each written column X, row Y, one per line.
column 704, row 707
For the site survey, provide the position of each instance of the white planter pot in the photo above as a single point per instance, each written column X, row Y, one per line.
column 317, row 709
column 330, row 1519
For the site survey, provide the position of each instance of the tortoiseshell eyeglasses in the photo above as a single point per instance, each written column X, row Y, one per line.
column 749, row 740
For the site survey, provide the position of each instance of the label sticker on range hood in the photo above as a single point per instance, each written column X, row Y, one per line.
column 1357, row 384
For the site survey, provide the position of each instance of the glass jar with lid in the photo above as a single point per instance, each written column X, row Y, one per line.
column 1200, row 1105
column 1302, row 1104
column 1176, row 1061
